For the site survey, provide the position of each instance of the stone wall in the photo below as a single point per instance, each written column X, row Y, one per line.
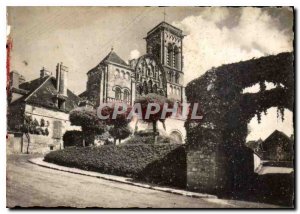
column 53, row 140
column 41, row 144
column 14, row 143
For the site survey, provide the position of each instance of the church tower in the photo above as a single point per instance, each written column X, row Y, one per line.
column 164, row 42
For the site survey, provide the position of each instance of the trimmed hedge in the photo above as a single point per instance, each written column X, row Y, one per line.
column 72, row 138
column 144, row 139
column 158, row 163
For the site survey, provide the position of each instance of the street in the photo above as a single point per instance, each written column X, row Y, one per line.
column 31, row 185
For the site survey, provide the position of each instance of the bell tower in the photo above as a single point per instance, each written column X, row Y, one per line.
column 164, row 42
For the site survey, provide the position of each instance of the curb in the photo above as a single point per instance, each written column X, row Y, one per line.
column 41, row 162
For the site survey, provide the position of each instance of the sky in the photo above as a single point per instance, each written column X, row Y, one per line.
column 81, row 37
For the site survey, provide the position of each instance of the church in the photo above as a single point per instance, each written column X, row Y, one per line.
column 159, row 71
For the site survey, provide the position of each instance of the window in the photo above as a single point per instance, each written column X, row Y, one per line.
column 176, row 57
column 177, row 78
column 122, row 74
column 155, row 88
column 126, row 95
column 118, row 94
column 127, row 76
column 140, row 89
column 170, row 55
column 145, row 87
column 170, row 76
column 117, row 73
column 150, row 86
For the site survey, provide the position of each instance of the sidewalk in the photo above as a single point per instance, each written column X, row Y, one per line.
column 41, row 162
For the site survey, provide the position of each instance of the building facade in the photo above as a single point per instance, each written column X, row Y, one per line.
column 159, row 71
column 46, row 101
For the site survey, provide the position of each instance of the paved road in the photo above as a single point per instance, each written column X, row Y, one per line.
column 31, row 185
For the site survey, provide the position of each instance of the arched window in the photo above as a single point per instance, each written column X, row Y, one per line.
column 145, row 87
column 140, row 89
column 122, row 74
column 118, row 94
column 170, row 76
column 170, row 55
column 155, row 88
column 150, row 86
column 117, row 73
column 126, row 95
column 177, row 78
column 176, row 57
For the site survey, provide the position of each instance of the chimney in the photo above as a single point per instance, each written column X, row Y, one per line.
column 14, row 79
column 21, row 79
column 44, row 73
column 61, row 79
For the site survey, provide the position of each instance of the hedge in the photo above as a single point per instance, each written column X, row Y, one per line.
column 144, row 139
column 155, row 163
column 72, row 138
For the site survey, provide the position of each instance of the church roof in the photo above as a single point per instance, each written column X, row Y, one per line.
column 114, row 58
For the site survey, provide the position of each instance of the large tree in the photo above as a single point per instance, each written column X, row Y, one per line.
column 149, row 99
column 90, row 124
column 118, row 127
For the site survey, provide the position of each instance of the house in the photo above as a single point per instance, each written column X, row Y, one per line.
column 45, row 102
column 277, row 147
column 274, row 155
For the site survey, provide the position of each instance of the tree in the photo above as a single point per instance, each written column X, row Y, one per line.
column 153, row 118
column 29, row 126
column 119, row 129
column 90, row 124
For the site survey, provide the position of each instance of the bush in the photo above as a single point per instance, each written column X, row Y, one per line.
column 72, row 138
column 147, row 139
column 165, row 162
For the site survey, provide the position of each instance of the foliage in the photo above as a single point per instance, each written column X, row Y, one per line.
column 42, row 122
column 31, row 126
column 118, row 129
column 157, row 99
column 72, row 138
column 154, row 98
column 119, row 132
column 146, row 138
column 227, row 110
column 90, row 124
column 127, row 160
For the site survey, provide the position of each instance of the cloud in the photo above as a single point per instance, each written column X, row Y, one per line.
column 210, row 44
column 221, row 36
column 134, row 54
